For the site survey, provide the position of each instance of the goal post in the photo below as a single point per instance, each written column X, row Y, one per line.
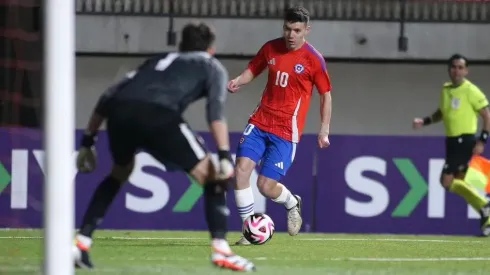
column 59, row 135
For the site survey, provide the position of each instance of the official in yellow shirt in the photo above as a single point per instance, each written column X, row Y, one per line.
column 459, row 106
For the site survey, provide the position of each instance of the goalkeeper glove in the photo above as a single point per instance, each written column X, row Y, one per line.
column 226, row 166
column 87, row 155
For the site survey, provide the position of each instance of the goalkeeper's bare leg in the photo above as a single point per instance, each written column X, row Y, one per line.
column 216, row 213
column 99, row 203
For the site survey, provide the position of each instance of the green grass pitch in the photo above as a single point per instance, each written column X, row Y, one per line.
column 187, row 252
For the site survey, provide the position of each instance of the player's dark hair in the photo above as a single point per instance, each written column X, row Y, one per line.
column 297, row 14
column 456, row 57
column 196, row 37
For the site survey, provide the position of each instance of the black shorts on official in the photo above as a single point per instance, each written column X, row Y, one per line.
column 459, row 151
column 163, row 133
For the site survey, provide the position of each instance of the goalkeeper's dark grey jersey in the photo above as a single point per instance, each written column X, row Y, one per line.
column 174, row 81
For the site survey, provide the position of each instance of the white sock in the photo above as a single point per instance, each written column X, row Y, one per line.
column 244, row 199
column 83, row 242
column 221, row 245
column 286, row 198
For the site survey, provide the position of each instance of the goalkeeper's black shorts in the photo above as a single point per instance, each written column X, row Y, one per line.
column 161, row 132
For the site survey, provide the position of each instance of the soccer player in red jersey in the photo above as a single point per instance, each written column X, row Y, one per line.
column 275, row 127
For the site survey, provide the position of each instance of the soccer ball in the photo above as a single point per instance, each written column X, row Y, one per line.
column 258, row 228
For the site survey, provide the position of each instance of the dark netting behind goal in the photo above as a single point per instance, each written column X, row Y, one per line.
column 21, row 54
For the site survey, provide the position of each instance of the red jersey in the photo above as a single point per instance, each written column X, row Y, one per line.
column 285, row 100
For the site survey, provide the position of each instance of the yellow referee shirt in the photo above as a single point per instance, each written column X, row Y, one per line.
column 460, row 106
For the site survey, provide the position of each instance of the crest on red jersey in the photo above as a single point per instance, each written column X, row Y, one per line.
column 298, row 68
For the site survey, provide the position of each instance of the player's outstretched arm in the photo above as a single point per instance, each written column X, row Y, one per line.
column 479, row 102
column 100, row 111
column 94, row 123
column 434, row 118
column 216, row 98
column 243, row 79
column 485, row 115
column 219, row 130
column 255, row 67
column 217, row 123
column 325, row 116
column 86, row 158
column 483, row 138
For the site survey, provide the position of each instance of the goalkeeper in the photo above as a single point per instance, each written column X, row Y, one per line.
column 460, row 103
column 144, row 111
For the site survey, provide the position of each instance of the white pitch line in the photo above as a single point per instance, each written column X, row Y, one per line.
column 391, row 240
column 298, row 239
column 121, row 270
column 113, row 238
column 356, row 259
column 154, row 238
column 461, row 259
column 19, row 237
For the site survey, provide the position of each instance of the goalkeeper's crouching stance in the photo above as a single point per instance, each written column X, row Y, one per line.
column 144, row 111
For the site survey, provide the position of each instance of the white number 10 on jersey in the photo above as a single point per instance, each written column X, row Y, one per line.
column 282, row 79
